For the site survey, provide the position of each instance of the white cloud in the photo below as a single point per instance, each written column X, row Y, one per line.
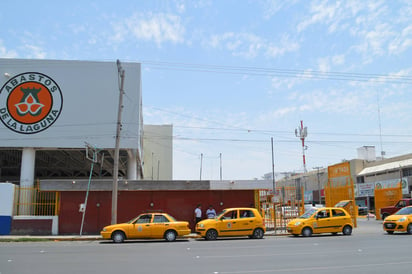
column 323, row 64
column 249, row 45
column 321, row 13
column 375, row 40
column 35, row 52
column 240, row 44
column 338, row 59
column 402, row 42
column 159, row 28
column 272, row 7
column 285, row 45
column 5, row 53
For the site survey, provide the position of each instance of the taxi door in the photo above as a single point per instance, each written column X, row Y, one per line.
column 339, row 219
column 142, row 227
column 247, row 222
column 322, row 222
column 159, row 226
column 229, row 224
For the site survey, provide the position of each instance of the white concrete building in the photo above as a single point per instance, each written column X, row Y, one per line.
column 50, row 109
column 158, row 152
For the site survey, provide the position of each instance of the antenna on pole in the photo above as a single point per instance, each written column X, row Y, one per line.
column 302, row 133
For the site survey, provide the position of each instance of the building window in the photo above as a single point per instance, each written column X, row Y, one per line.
column 360, row 180
column 407, row 172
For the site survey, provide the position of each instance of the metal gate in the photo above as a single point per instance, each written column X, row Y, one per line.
column 33, row 202
column 386, row 197
column 277, row 210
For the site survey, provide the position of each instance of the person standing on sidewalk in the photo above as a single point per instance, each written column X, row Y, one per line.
column 211, row 212
column 198, row 214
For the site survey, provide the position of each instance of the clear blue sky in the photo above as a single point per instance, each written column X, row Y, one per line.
column 229, row 75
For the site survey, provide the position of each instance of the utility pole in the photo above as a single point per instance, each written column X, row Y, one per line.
column 319, row 192
column 273, row 184
column 220, row 156
column 201, row 163
column 120, row 72
column 152, row 165
column 273, row 169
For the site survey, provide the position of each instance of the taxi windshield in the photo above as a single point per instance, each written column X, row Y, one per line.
column 308, row 213
column 132, row 220
column 404, row 211
column 221, row 213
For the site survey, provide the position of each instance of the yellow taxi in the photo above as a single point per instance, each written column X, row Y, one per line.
column 321, row 220
column 147, row 226
column 233, row 222
column 401, row 221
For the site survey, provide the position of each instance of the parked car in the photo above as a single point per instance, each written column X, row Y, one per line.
column 233, row 222
column 401, row 221
column 322, row 220
column 389, row 210
column 147, row 226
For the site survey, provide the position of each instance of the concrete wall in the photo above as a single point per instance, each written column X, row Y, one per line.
column 6, row 207
column 158, row 152
column 180, row 204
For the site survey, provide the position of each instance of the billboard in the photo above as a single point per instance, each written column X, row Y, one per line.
column 63, row 104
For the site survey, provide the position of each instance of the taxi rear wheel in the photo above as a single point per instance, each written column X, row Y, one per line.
column 307, row 232
column 347, row 230
column 258, row 233
column 211, row 234
column 118, row 237
column 409, row 229
column 170, row 236
column 389, row 232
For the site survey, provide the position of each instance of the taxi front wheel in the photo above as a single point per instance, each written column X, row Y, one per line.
column 118, row 237
column 409, row 229
column 211, row 234
column 306, row 232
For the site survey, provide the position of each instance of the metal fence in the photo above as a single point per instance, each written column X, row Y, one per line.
column 33, row 202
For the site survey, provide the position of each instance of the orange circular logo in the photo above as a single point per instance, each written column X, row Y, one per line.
column 30, row 102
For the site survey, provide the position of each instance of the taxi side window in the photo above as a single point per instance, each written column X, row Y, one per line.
column 160, row 219
column 230, row 215
column 144, row 219
column 246, row 214
column 337, row 213
column 323, row 214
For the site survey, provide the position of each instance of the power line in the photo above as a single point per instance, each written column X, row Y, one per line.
column 293, row 73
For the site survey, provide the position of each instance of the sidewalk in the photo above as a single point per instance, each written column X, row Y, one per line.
column 364, row 226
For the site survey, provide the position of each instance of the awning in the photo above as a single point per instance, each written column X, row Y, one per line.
column 386, row 167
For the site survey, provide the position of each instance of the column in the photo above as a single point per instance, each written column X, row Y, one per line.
column 28, row 159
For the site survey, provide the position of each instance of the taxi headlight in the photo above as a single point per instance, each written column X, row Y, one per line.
column 402, row 219
column 104, row 229
column 297, row 223
column 201, row 225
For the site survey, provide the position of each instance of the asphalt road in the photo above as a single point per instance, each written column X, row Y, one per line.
column 368, row 250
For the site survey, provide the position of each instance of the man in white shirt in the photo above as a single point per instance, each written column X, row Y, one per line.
column 211, row 212
column 198, row 214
